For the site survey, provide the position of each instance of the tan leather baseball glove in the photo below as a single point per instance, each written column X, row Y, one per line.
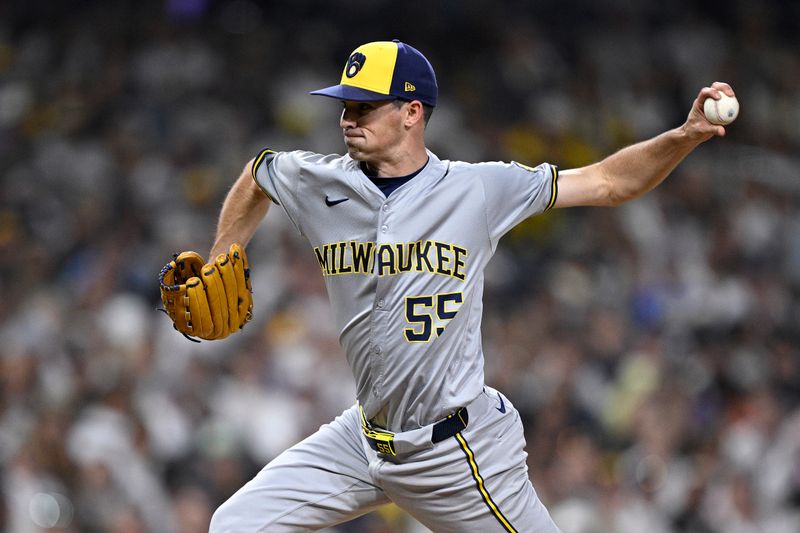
column 208, row 300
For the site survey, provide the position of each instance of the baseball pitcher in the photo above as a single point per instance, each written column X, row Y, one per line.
column 402, row 239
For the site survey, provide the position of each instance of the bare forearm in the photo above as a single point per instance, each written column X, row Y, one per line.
column 242, row 212
column 637, row 169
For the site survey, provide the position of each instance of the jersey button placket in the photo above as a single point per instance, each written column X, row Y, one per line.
column 379, row 320
column 380, row 291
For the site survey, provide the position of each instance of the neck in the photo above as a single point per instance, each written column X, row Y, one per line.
column 401, row 163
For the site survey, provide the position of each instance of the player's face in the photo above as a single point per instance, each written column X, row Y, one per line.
column 371, row 129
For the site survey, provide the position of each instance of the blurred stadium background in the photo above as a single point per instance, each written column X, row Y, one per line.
column 652, row 349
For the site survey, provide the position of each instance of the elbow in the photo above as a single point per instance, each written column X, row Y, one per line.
column 615, row 192
column 615, row 199
column 610, row 193
column 618, row 196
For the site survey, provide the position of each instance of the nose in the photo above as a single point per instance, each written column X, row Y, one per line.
column 347, row 119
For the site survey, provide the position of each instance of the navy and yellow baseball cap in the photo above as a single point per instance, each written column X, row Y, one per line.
column 385, row 70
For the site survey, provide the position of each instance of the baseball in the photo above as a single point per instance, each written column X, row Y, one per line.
column 722, row 111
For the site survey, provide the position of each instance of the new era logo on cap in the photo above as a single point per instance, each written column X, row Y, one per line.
column 384, row 70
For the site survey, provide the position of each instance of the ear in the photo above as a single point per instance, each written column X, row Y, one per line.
column 414, row 113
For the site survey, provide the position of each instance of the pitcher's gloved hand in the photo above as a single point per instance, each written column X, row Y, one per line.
column 208, row 300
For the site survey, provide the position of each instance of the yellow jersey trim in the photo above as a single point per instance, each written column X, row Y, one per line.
column 256, row 163
column 553, row 188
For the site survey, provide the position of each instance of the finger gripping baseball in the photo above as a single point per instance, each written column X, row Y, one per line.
column 207, row 300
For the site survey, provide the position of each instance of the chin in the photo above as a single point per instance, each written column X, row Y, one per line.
column 355, row 153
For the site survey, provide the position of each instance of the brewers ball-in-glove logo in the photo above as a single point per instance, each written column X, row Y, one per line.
column 354, row 64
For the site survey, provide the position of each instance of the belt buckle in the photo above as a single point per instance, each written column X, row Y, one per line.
column 380, row 441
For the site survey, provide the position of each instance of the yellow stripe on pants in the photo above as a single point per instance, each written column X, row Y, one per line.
column 479, row 481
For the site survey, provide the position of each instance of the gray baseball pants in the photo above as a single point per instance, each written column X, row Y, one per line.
column 476, row 481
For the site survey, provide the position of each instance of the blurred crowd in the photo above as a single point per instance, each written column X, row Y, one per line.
column 653, row 350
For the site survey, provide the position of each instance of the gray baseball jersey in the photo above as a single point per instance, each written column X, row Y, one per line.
column 404, row 274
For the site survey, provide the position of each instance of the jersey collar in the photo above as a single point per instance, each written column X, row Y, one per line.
column 433, row 171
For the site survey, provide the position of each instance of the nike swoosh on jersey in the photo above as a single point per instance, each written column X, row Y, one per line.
column 502, row 407
column 331, row 203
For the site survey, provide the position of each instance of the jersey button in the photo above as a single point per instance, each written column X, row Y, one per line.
column 381, row 303
column 386, row 208
column 378, row 350
column 384, row 228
